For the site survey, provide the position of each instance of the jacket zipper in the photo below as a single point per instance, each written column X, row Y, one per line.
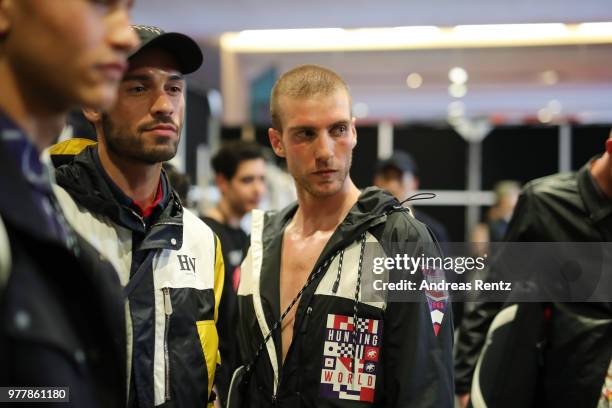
column 306, row 319
column 168, row 310
column 167, row 223
column 144, row 225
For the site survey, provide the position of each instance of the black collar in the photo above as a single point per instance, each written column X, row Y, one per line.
column 597, row 204
column 126, row 201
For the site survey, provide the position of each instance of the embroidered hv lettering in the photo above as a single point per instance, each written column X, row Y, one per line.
column 187, row 263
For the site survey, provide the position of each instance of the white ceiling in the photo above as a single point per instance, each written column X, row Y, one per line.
column 205, row 18
column 503, row 82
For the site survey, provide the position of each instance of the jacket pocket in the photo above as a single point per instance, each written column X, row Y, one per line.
column 209, row 339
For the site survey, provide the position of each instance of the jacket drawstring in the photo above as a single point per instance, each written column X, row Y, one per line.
column 355, row 306
column 337, row 282
column 419, row 196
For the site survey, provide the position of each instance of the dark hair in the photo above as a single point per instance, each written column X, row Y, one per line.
column 400, row 161
column 231, row 154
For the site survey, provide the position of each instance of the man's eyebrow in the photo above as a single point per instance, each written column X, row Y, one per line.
column 144, row 77
column 134, row 77
column 340, row 123
column 299, row 128
column 176, row 77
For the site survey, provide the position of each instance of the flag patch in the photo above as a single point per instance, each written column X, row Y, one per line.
column 344, row 347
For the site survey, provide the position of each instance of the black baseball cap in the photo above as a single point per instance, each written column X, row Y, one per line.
column 183, row 48
column 399, row 160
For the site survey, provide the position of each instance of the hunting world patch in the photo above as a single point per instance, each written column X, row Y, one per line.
column 339, row 379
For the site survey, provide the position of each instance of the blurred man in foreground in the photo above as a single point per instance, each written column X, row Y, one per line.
column 60, row 304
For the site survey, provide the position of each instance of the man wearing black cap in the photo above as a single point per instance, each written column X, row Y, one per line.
column 399, row 175
column 116, row 194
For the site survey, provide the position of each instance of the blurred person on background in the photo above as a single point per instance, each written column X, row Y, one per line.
column 499, row 215
column 53, row 285
column 399, row 175
column 116, row 194
column 240, row 177
column 398, row 357
column 571, row 363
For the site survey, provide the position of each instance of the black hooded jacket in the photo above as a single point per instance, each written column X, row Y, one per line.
column 401, row 362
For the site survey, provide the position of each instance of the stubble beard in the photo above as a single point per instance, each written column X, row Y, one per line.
column 125, row 144
column 303, row 182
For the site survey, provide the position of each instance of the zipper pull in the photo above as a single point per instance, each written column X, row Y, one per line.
column 306, row 318
column 167, row 302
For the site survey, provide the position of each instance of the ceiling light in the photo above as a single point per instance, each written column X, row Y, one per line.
column 417, row 37
column 549, row 77
column 457, row 90
column 458, row 75
column 545, row 115
column 414, row 80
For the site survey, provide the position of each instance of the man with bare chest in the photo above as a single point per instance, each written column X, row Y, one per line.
column 304, row 267
column 301, row 248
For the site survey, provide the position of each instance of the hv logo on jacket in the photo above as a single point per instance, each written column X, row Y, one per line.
column 350, row 358
column 187, row 263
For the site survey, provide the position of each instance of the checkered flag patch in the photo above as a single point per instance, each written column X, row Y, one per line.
column 345, row 350
column 362, row 325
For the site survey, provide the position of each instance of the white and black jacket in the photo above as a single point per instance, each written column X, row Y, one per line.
column 400, row 360
column 171, row 313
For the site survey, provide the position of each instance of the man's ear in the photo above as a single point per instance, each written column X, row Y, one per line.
column 609, row 145
column 221, row 182
column 92, row 115
column 5, row 19
column 276, row 142
column 354, row 132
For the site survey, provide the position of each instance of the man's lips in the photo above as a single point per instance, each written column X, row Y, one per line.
column 162, row 130
column 326, row 172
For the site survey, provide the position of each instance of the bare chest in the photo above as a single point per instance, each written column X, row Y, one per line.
column 297, row 260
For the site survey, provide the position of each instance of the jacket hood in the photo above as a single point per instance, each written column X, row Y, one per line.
column 82, row 181
column 89, row 188
column 371, row 208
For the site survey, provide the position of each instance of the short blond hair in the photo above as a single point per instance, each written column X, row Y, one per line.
column 304, row 81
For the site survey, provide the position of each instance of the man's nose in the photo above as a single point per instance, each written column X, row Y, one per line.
column 260, row 188
column 119, row 33
column 162, row 106
column 324, row 146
